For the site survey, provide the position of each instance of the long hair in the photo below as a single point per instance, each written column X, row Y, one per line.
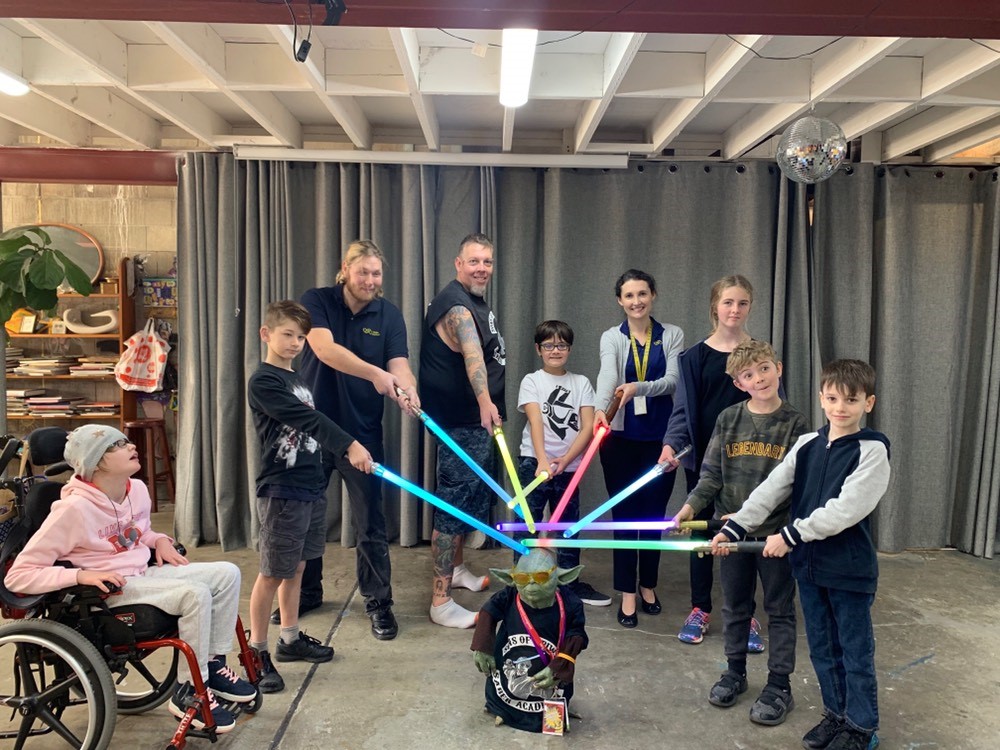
column 719, row 287
column 356, row 251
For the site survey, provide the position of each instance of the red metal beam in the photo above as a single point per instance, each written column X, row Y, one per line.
column 916, row 18
column 88, row 167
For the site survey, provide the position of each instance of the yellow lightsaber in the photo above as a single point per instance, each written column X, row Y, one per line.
column 519, row 494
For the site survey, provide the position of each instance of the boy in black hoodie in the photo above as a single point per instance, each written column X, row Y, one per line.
column 835, row 478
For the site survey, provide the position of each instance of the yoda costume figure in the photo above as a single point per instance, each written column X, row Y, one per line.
column 532, row 657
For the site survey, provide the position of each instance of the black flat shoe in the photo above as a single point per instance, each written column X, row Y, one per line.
column 384, row 625
column 651, row 609
column 627, row 621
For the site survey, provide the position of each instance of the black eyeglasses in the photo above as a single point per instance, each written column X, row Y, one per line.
column 557, row 347
column 118, row 444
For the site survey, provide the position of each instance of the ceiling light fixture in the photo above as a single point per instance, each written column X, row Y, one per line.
column 12, row 84
column 517, row 57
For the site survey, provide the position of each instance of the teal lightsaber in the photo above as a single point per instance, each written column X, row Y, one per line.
column 380, row 471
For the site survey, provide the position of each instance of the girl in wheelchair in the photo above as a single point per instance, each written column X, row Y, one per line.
column 101, row 526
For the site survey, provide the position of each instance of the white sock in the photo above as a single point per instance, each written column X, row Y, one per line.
column 289, row 635
column 452, row 615
column 461, row 578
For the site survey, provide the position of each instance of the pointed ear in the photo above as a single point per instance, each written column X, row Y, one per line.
column 568, row 575
column 502, row 574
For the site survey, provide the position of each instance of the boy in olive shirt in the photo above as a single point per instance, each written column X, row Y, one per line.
column 749, row 440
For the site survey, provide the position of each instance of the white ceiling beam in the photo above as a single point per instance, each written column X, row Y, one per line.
column 203, row 48
column 723, row 61
column 36, row 113
column 858, row 119
column 344, row 109
column 365, row 72
column 954, row 62
column 664, row 75
column 984, row 132
column 618, row 55
column 892, row 78
column 983, row 89
column 95, row 46
column 507, row 137
column 262, row 67
column 832, row 68
column 407, row 48
column 45, row 65
column 930, row 126
column 103, row 107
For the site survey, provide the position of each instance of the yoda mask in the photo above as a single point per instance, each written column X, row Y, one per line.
column 531, row 658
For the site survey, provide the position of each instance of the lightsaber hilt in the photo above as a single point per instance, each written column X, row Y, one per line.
column 400, row 393
column 614, row 406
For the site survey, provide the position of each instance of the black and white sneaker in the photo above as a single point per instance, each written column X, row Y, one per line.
column 589, row 595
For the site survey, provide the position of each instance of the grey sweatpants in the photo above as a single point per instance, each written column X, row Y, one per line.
column 206, row 597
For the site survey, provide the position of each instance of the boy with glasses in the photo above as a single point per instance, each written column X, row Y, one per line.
column 560, row 408
column 101, row 526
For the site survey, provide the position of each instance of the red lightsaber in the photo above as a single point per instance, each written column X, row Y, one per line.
column 602, row 432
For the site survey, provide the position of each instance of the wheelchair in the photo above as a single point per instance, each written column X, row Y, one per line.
column 79, row 661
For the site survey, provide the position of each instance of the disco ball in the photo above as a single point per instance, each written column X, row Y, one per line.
column 811, row 150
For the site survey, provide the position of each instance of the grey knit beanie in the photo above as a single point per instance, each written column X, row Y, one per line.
column 86, row 445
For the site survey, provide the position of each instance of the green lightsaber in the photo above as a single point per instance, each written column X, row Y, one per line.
column 690, row 545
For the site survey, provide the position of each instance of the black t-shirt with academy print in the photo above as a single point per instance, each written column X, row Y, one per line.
column 509, row 690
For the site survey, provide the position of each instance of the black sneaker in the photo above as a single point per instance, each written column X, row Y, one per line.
column 270, row 681
column 384, row 625
column 853, row 739
column 773, row 705
column 226, row 684
column 303, row 608
column 729, row 687
column 589, row 595
column 224, row 719
column 821, row 735
column 305, row 648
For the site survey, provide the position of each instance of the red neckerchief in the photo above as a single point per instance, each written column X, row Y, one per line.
column 543, row 652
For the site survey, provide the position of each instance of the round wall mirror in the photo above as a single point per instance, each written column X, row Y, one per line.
column 79, row 247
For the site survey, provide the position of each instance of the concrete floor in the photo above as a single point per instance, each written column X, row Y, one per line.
column 937, row 656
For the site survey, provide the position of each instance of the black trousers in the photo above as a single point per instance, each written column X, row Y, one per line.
column 364, row 494
column 624, row 461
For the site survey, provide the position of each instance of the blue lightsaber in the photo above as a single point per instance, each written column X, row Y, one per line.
column 461, row 515
column 639, row 483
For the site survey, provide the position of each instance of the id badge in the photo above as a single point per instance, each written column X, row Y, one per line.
column 639, row 405
column 555, row 720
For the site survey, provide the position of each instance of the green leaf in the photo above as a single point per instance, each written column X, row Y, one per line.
column 12, row 273
column 76, row 276
column 9, row 302
column 41, row 299
column 45, row 271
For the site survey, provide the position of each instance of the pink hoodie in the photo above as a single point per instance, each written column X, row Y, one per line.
column 82, row 529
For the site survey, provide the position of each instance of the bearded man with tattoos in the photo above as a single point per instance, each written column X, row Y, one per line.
column 462, row 364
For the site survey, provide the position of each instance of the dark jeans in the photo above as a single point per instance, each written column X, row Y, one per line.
column 842, row 650
column 702, row 574
column 738, row 573
column 364, row 494
column 624, row 461
column 459, row 485
column 548, row 493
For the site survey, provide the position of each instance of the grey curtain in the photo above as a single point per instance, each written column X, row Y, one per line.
column 898, row 268
column 906, row 277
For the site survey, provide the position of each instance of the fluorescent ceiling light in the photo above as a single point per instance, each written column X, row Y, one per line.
column 517, row 56
column 12, row 84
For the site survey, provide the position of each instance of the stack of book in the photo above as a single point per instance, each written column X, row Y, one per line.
column 13, row 355
column 97, row 409
column 46, row 366
column 54, row 406
column 17, row 400
column 96, row 366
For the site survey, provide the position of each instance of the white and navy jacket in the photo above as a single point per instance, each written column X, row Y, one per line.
column 834, row 487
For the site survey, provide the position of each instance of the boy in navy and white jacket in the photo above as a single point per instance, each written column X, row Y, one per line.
column 835, row 478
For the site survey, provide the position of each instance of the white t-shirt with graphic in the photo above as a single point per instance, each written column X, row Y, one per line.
column 560, row 398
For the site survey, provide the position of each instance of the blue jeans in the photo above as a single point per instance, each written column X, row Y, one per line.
column 842, row 650
column 549, row 493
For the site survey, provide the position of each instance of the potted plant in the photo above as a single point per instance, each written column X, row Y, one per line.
column 31, row 271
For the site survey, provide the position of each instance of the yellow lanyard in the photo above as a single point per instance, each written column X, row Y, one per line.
column 640, row 369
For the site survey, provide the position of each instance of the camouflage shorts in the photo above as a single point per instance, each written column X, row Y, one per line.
column 458, row 485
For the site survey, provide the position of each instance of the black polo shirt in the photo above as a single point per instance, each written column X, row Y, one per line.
column 376, row 334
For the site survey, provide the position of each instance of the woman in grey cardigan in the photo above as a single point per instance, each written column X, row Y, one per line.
column 638, row 360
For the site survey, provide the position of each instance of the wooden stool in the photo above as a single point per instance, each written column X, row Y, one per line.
column 145, row 434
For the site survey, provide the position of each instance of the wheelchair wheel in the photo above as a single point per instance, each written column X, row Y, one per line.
column 151, row 679
column 59, row 684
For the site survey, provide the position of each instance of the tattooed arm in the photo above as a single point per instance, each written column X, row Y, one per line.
column 462, row 336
